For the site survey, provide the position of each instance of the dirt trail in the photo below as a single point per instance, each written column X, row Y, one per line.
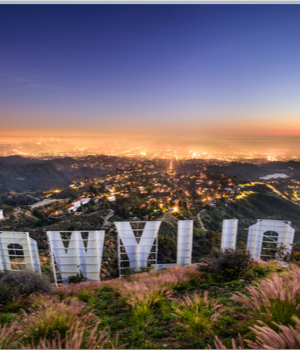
column 200, row 221
column 110, row 214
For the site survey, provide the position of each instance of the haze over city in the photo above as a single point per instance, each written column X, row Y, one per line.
column 199, row 77
column 248, row 149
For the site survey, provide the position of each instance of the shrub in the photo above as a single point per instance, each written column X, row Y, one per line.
column 229, row 264
column 262, row 269
column 25, row 282
column 276, row 299
column 8, row 292
column 295, row 257
column 76, row 279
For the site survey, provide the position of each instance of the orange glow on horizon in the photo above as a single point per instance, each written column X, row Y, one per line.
column 229, row 127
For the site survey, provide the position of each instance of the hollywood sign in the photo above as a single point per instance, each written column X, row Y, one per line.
column 80, row 252
column 262, row 236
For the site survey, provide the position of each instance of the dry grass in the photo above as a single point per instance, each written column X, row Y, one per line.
column 178, row 272
column 77, row 288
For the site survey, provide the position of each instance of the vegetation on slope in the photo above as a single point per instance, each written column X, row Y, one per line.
column 179, row 307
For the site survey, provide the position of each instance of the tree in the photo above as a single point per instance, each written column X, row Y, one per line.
column 94, row 190
column 7, row 209
column 39, row 214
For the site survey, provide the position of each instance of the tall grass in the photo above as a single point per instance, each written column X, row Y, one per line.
column 197, row 315
column 50, row 323
column 142, row 297
column 75, row 339
column 236, row 344
column 48, row 316
column 77, row 288
column 287, row 337
column 276, row 299
column 144, row 291
column 9, row 337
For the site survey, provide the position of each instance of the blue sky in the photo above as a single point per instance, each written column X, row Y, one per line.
column 106, row 69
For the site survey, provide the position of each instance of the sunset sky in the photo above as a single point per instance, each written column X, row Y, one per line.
column 165, row 70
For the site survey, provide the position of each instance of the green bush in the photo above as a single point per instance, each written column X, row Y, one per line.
column 24, row 283
column 76, row 279
column 228, row 265
column 262, row 269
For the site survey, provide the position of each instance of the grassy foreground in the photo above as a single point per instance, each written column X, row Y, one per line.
column 175, row 308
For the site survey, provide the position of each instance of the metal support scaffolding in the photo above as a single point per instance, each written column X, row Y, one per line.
column 264, row 236
column 71, row 254
column 136, row 244
column 18, row 251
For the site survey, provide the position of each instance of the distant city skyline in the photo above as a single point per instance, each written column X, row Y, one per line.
column 179, row 73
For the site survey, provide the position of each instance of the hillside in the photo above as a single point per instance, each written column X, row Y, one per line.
column 262, row 204
column 24, row 174
column 247, row 172
column 19, row 160
column 30, row 177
